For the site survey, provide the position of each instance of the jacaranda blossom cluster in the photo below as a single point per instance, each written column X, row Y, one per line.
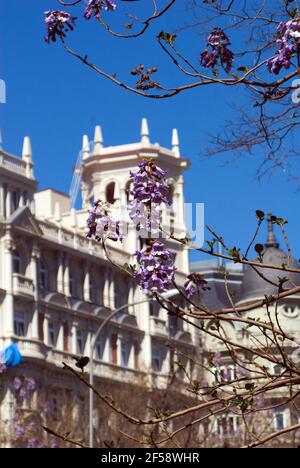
column 3, row 367
column 101, row 224
column 94, row 7
column 149, row 191
column 288, row 42
column 217, row 51
column 27, row 431
column 58, row 23
column 194, row 284
column 156, row 268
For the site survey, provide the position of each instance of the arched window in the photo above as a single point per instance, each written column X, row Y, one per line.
column 127, row 188
column 110, row 193
column 16, row 262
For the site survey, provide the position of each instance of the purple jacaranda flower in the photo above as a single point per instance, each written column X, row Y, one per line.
column 288, row 45
column 218, row 358
column 46, row 407
column 53, row 444
column 209, row 59
column 57, row 24
column 243, row 372
column 19, row 431
column 156, row 268
column 17, row 383
column 94, row 7
column 217, row 51
column 149, row 191
column 146, row 219
column 3, row 367
column 30, row 384
column 23, row 393
column 218, row 38
column 31, row 443
column 101, row 224
column 194, row 284
column 32, row 426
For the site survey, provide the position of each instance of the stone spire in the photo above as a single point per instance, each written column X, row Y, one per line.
column 145, row 140
column 27, row 157
column 27, row 151
column 271, row 240
column 85, row 147
column 98, row 140
column 175, row 143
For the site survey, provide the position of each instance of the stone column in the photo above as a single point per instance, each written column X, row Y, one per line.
column 73, row 338
column 106, row 297
column 67, row 278
column 8, row 203
column 2, row 201
column 35, row 257
column 8, row 303
column 112, row 291
column 86, row 284
column 60, row 274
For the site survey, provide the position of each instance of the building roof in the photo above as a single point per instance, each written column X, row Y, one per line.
column 254, row 286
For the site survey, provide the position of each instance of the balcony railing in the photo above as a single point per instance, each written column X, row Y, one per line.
column 23, row 286
column 12, row 163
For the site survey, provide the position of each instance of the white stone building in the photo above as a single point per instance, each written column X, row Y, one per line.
column 247, row 288
column 57, row 286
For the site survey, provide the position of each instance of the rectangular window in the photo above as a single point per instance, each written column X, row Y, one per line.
column 19, row 324
column 136, row 356
column 114, row 349
column 279, row 419
column 79, row 342
column 156, row 360
column 41, row 327
column 100, row 345
column 66, row 337
column 51, row 334
column 16, row 262
column 71, row 284
column 124, row 354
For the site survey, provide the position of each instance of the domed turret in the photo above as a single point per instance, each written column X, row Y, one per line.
column 253, row 286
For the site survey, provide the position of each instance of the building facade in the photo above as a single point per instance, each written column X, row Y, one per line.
column 57, row 286
column 246, row 287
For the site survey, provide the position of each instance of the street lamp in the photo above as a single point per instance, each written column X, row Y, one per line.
column 93, row 343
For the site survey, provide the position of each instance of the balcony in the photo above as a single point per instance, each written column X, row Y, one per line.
column 158, row 326
column 23, row 286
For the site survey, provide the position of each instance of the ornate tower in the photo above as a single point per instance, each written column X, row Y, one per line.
column 105, row 176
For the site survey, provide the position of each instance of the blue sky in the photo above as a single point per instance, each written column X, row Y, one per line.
column 54, row 99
